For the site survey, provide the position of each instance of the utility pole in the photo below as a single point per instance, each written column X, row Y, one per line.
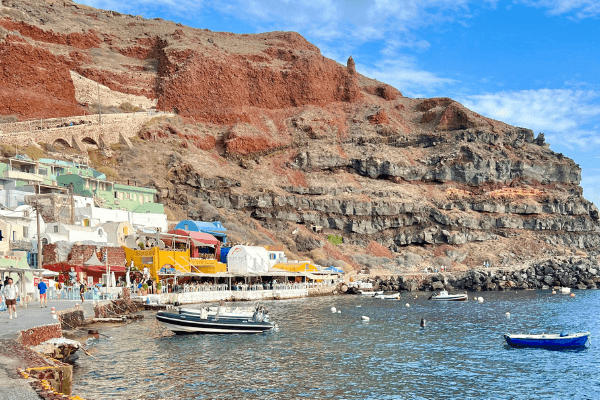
column 72, row 204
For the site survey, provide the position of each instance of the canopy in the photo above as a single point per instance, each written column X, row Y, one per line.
column 334, row 269
column 198, row 237
column 93, row 261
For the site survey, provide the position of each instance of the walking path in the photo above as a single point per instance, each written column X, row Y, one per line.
column 34, row 316
column 14, row 356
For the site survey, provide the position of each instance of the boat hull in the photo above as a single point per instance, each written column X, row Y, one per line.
column 457, row 297
column 548, row 341
column 186, row 323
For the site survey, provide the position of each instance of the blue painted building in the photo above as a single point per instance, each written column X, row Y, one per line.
column 213, row 228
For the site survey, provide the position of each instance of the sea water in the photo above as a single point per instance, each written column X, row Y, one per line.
column 316, row 354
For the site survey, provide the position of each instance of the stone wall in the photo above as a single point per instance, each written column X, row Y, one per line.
column 37, row 335
column 90, row 133
column 71, row 318
column 573, row 272
column 227, row 295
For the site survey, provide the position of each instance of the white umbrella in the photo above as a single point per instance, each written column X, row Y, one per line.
column 113, row 282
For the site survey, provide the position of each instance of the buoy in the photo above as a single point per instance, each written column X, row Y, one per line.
column 407, row 305
column 53, row 312
column 339, row 312
column 480, row 299
column 572, row 294
column 365, row 318
column 422, row 322
column 475, row 298
column 333, row 309
column 507, row 314
column 554, row 292
column 416, row 296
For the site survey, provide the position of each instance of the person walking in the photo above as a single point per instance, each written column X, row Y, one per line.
column 10, row 294
column 82, row 291
column 43, row 288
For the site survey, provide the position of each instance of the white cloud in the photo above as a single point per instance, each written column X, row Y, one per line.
column 564, row 114
column 579, row 8
column 404, row 75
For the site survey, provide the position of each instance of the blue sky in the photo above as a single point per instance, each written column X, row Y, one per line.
column 530, row 63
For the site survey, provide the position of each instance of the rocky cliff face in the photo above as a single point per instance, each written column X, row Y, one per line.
column 286, row 146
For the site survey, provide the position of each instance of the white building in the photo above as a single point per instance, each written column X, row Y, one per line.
column 117, row 232
column 248, row 259
column 88, row 215
column 56, row 232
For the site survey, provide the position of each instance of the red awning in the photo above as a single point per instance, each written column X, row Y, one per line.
column 199, row 237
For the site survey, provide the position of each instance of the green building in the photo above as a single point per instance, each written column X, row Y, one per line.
column 113, row 195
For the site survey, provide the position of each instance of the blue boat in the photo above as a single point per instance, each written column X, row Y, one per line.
column 549, row 340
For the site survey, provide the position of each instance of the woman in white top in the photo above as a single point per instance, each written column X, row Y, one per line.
column 10, row 294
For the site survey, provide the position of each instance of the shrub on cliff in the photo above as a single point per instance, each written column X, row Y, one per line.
column 335, row 240
column 127, row 107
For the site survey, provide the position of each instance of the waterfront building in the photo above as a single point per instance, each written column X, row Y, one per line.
column 261, row 260
column 213, row 228
column 176, row 253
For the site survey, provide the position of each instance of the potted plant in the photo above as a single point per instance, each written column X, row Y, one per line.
column 158, row 287
column 145, row 288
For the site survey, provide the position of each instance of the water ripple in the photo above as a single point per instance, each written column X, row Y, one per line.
column 320, row 355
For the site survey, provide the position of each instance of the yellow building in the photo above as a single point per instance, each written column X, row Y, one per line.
column 170, row 262
column 296, row 267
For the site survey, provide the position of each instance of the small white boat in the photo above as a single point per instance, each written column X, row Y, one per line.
column 444, row 296
column 395, row 296
column 370, row 293
column 565, row 290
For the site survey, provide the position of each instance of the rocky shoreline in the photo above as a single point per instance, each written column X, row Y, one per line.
column 572, row 272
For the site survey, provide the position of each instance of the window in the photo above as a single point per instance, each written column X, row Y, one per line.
column 55, row 228
column 43, row 171
column 14, row 235
column 87, row 184
column 25, row 231
column 185, row 227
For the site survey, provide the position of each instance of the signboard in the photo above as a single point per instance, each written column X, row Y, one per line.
column 147, row 260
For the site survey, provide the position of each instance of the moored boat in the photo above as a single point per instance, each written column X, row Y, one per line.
column 549, row 340
column 370, row 293
column 444, row 296
column 205, row 321
column 395, row 296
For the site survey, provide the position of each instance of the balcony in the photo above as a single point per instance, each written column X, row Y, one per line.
column 23, row 176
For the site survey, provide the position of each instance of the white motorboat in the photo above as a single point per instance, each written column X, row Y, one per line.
column 370, row 293
column 444, row 296
column 395, row 296
column 203, row 321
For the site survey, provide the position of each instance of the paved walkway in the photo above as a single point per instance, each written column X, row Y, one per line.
column 34, row 315
column 14, row 388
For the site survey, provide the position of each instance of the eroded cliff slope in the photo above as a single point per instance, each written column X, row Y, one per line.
column 287, row 146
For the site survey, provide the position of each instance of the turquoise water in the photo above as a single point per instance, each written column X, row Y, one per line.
column 315, row 354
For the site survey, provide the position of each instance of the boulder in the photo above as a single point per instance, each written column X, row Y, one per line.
column 437, row 285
